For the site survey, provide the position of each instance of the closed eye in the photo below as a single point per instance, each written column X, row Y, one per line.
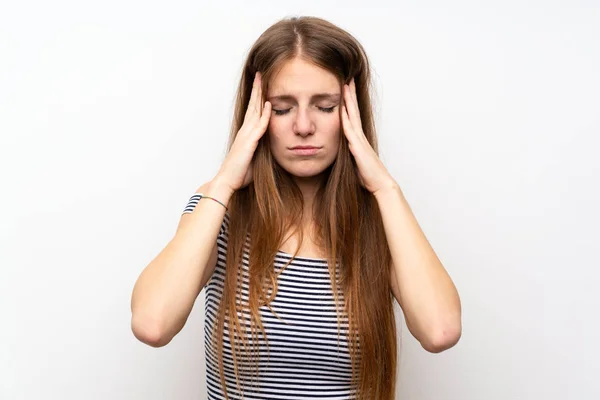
column 327, row 110
column 324, row 109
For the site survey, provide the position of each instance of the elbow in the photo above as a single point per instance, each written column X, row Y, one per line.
column 148, row 331
column 443, row 339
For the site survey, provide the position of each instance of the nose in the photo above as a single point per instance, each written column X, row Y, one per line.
column 303, row 125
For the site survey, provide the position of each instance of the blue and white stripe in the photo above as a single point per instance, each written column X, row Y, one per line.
column 307, row 358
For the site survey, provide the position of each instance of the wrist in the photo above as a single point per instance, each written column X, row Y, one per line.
column 219, row 190
column 390, row 190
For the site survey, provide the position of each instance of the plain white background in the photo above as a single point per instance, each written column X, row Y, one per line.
column 113, row 113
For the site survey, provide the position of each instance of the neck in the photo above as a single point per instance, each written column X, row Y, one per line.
column 308, row 187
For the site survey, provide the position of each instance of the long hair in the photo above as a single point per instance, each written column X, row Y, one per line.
column 349, row 228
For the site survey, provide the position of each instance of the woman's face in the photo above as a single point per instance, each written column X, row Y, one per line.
column 305, row 103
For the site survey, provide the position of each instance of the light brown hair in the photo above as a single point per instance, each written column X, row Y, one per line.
column 348, row 222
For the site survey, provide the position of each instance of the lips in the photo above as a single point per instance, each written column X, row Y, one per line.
column 305, row 150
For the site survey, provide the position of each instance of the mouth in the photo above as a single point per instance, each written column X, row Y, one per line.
column 305, row 150
column 304, row 147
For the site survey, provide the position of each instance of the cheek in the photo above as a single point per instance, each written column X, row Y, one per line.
column 277, row 128
column 334, row 125
column 274, row 126
column 337, row 123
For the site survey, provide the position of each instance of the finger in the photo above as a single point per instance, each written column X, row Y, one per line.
column 353, row 91
column 349, row 104
column 264, row 119
column 260, row 105
column 250, row 108
column 347, row 125
column 256, row 93
column 353, row 111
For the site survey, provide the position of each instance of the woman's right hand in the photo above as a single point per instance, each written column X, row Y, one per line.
column 236, row 171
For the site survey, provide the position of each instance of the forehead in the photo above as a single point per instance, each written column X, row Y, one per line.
column 301, row 78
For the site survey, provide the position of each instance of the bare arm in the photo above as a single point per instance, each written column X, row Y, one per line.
column 165, row 291
column 420, row 283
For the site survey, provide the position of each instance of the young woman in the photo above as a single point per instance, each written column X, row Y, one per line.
column 303, row 239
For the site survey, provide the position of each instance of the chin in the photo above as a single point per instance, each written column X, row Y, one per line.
column 304, row 168
column 305, row 174
column 306, row 171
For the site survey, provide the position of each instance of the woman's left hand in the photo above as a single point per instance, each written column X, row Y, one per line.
column 373, row 174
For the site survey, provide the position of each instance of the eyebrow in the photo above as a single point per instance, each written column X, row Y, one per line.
column 313, row 98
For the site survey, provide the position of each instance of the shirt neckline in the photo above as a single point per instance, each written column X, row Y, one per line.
column 288, row 255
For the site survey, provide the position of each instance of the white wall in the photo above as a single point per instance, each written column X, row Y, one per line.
column 112, row 114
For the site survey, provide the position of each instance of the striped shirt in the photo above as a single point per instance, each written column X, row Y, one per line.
column 307, row 361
